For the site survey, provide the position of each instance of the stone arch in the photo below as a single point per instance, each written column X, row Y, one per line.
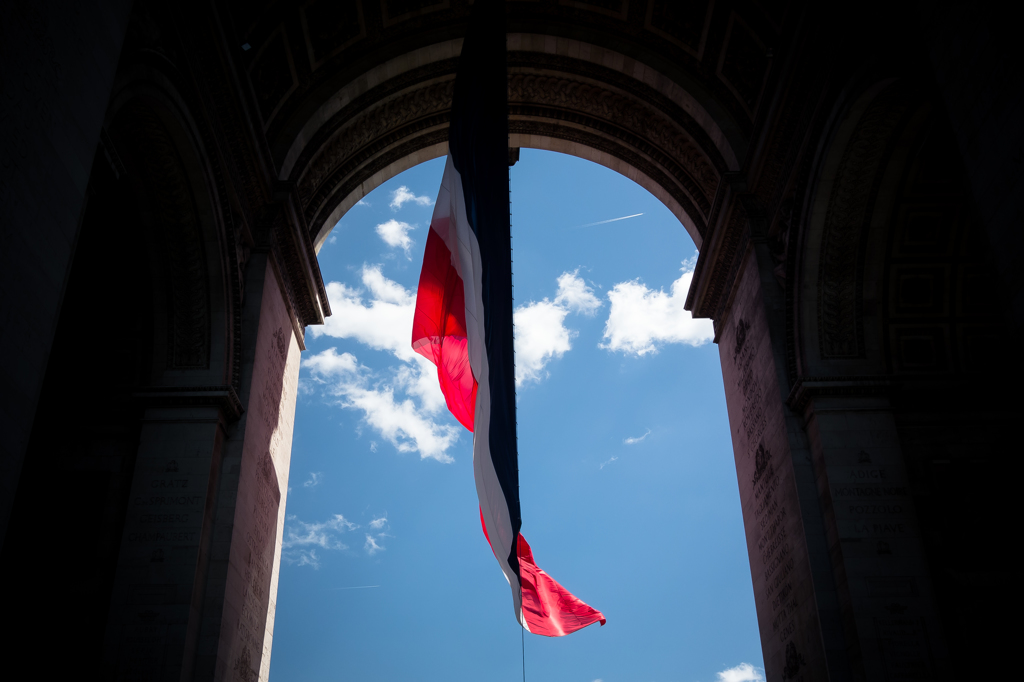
column 865, row 194
column 851, row 198
column 942, row 315
column 183, row 235
column 177, row 238
column 564, row 95
column 803, row 212
column 143, row 342
column 888, row 343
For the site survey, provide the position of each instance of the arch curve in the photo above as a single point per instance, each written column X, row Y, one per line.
column 564, row 95
column 182, row 235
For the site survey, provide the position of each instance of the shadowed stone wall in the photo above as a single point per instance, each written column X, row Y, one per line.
column 849, row 174
column 58, row 63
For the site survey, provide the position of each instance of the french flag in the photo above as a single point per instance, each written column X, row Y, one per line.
column 463, row 319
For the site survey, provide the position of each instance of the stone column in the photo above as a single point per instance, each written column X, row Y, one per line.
column 873, row 536
column 254, row 552
column 797, row 612
column 839, row 573
column 195, row 591
column 157, row 592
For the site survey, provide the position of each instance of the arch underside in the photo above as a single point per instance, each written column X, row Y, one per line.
column 556, row 103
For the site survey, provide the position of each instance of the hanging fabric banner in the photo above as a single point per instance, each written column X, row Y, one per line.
column 463, row 318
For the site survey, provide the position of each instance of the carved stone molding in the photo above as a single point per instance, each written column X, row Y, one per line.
column 354, row 175
column 293, row 249
column 619, row 125
column 232, row 160
column 721, row 257
column 222, row 397
column 370, row 128
column 537, row 62
column 391, row 87
column 840, row 325
column 281, row 233
column 807, row 388
column 630, row 115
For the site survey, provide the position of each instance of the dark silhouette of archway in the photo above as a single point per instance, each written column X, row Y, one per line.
column 850, row 177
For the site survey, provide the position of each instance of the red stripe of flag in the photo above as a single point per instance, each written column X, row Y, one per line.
column 439, row 327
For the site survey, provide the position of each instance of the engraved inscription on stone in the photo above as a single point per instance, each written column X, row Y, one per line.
column 141, row 650
column 775, row 546
column 794, row 661
column 904, row 649
column 261, row 491
column 869, row 501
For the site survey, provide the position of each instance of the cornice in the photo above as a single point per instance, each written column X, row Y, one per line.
column 722, row 253
column 418, row 136
column 378, row 95
column 550, row 64
column 222, row 397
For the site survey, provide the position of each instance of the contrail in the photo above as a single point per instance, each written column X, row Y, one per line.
column 602, row 222
column 357, row 587
column 636, row 439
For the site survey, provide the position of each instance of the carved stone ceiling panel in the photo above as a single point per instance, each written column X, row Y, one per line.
column 319, row 45
column 652, row 131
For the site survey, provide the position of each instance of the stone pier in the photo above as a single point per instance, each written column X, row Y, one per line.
column 850, row 174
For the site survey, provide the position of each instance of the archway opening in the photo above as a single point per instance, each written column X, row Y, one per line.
column 628, row 484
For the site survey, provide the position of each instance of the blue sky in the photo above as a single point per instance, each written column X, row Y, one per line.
column 627, row 482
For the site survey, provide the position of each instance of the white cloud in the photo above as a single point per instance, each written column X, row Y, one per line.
column 371, row 545
column 420, row 380
column 404, row 425
column 633, row 440
column 302, row 558
column 301, row 539
column 405, row 406
column 402, row 196
column 540, row 337
column 395, row 233
column 641, row 318
column 384, row 322
column 301, row 534
column 540, row 332
column 574, row 294
column 314, row 479
column 363, row 202
column 330, row 363
column 744, row 672
column 373, row 446
column 607, row 462
column 388, row 290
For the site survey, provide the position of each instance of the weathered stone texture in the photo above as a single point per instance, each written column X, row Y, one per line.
column 163, row 191
column 767, row 466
